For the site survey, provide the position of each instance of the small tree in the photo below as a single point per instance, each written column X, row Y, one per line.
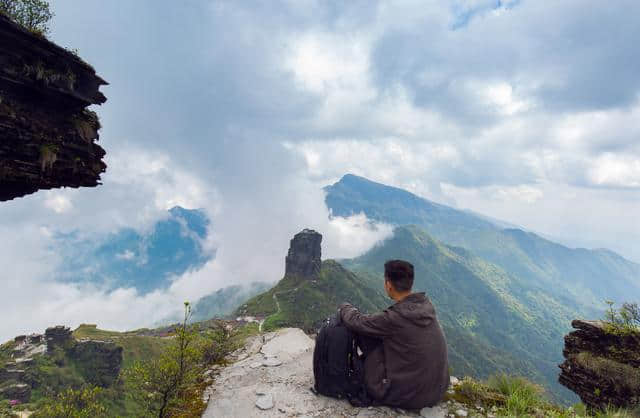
column 625, row 320
column 72, row 403
column 32, row 14
column 168, row 385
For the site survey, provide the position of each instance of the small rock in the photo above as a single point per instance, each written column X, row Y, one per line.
column 461, row 413
column 255, row 365
column 454, row 380
column 272, row 362
column 435, row 412
column 264, row 402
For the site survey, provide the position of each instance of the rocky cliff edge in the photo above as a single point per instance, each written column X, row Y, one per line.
column 48, row 136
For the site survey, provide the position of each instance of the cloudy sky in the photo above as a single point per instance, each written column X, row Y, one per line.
column 526, row 111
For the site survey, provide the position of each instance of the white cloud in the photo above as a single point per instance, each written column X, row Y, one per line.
column 58, row 202
column 501, row 96
column 521, row 193
column 322, row 62
column 616, row 171
column 126, row 255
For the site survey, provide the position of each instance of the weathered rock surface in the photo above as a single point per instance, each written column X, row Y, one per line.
column 18, row 391
column 47, row 136
column 247, row 388
column 304, row 257
column 601, row 367
column 58, row 336
column 99, row 361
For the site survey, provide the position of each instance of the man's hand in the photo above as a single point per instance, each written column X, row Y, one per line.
column 344, row 305
column 340, row 309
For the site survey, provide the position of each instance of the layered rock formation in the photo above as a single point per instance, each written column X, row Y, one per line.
column 601, row 366
column 18, row 391
column 47, row 136
column 58, row 336
column 304, row 257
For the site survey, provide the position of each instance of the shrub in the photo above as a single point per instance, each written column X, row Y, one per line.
column 34, row 15
column 5, row 409
column 171, row 384
column 72, row 403
column 625, row 320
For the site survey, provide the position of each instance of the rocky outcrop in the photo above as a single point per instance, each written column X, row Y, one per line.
column 601, row 366
column 17, row 391
column 58, row 336
column 304, row 257
column 98, row 361
column 48, row 137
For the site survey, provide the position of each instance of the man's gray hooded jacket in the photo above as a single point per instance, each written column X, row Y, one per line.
column 410, row 368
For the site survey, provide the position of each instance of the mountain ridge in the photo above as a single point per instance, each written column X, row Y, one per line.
column 579, row 272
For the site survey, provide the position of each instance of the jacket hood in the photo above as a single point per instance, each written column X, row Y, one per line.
column 416, row 308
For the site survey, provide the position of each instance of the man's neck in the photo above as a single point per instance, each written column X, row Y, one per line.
column 400, row 297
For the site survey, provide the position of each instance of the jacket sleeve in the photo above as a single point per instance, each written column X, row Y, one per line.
column 376, row 325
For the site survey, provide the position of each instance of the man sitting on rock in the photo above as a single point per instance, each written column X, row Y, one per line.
column 405, row 350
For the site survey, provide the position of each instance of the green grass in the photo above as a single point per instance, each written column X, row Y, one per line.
column 513, row 396
column 134, row 347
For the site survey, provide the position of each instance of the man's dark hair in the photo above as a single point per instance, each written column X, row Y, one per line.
column 400, row 273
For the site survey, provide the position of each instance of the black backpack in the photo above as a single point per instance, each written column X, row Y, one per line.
column 337, row 368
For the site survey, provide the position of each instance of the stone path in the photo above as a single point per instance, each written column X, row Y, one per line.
column 272, row 376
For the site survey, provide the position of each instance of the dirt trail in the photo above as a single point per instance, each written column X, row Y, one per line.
column 275, row 298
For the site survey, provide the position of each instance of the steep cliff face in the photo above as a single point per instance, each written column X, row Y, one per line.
column 602, row 367
column 47, row 134
column 304, row 257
